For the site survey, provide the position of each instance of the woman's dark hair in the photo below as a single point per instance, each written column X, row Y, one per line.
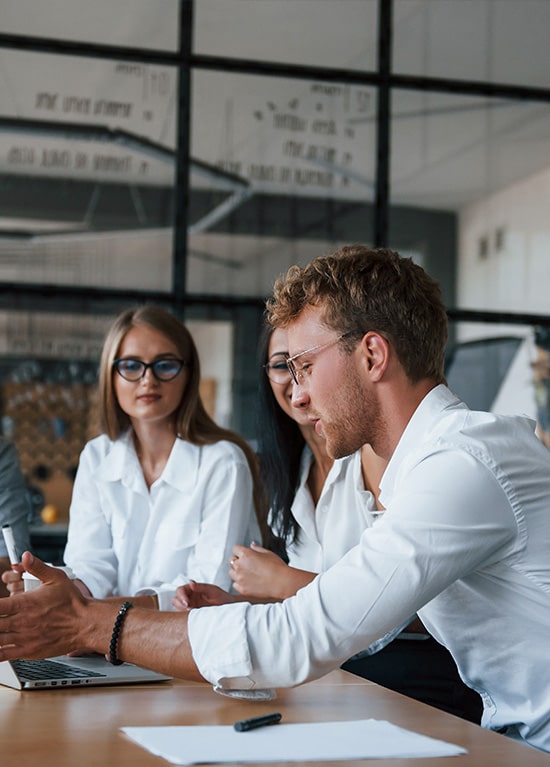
column 280, row 446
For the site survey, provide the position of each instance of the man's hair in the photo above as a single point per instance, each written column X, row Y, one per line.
column 361, row 289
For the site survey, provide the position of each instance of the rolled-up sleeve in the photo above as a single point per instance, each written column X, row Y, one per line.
column 219, row 643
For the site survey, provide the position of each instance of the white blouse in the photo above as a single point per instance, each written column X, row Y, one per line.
column 126, row 539
column 343, row 511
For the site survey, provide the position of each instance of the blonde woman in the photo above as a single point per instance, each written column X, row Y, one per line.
column 164, row 493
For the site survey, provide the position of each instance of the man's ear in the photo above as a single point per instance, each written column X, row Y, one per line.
column 376, row 354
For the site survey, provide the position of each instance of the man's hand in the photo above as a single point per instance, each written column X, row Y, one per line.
column 56, row 619
column 193, row 594
column 45, row 621
column 13, row 579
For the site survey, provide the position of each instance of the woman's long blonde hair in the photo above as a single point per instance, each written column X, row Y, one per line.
column 192, row 422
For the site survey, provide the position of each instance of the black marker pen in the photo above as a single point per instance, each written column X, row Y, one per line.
column 257, row 721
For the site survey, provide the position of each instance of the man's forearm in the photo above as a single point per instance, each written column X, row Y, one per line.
column 157, row 640
column 149, row 638
column 57, row 618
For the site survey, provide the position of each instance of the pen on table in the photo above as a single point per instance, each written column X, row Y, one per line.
column 9, row 540
column 257, row 721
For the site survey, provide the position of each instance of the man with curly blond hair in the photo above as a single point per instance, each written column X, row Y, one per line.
column 463, row 540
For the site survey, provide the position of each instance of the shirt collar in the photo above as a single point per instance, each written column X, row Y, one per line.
column 182, row 466
column 425, row 417
column 122, row 464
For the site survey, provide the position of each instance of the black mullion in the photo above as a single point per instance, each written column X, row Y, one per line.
column 183, row 139
column 381, row 201
column 89, row 50
column 276, row 69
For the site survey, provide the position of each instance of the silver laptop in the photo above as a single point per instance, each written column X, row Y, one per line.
column 64, row 672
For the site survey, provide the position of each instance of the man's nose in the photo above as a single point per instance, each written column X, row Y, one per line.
column 300, row 397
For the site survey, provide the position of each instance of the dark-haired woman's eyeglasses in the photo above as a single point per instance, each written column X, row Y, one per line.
column 163, row 370
column 277, row 370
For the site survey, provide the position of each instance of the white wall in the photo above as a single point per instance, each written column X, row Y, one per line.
column 513, row 276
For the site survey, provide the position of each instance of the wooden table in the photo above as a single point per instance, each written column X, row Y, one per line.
column 80, row 727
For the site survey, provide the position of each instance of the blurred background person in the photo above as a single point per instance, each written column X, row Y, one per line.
column 15, row 507
column 541, row 380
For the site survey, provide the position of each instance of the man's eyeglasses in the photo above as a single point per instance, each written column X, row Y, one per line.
column 299, row 374
column 277, row 370
column 163, row 370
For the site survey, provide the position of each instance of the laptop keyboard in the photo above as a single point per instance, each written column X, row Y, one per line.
column 50, row 669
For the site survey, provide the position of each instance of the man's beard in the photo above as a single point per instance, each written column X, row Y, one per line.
column 357, row 420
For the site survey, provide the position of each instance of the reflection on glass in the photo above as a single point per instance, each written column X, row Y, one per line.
column 448, row 151
column 133, row 23
column 277, row 165
column 472, row 41
column 331, row 33
column 87, row 153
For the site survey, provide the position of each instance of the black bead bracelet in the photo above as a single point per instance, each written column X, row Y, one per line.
column 117, row 628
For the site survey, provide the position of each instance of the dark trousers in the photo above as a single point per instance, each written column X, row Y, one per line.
column 422, row 669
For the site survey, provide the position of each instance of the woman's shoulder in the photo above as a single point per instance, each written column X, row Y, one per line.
column 223, row 449
column 99, row 447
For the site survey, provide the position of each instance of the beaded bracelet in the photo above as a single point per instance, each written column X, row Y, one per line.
column 117, row 628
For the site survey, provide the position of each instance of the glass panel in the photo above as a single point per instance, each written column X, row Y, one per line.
column 48, row 374
column 473, row 40
column 481, row 164
column 87, row 166
column 48, row 391
column 331, row 33
column 502, row 368
column 279, row 166
column 133, row 23
column 448, row 151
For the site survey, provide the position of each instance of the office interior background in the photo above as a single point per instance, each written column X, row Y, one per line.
column 186, row 153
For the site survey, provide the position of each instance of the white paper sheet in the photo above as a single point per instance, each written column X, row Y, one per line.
column 363, row 739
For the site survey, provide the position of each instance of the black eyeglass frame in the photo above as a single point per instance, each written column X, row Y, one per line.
column 282, row 366
column 146, row 365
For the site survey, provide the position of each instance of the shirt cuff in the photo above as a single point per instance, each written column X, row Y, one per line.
column 219, row 645
column 164, row 596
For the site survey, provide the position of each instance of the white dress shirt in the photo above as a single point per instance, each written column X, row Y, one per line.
column 126, row 539
column 333, row 527
column 464, row 541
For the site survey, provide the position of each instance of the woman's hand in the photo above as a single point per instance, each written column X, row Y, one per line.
column 258, row 572
column 193, row 594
